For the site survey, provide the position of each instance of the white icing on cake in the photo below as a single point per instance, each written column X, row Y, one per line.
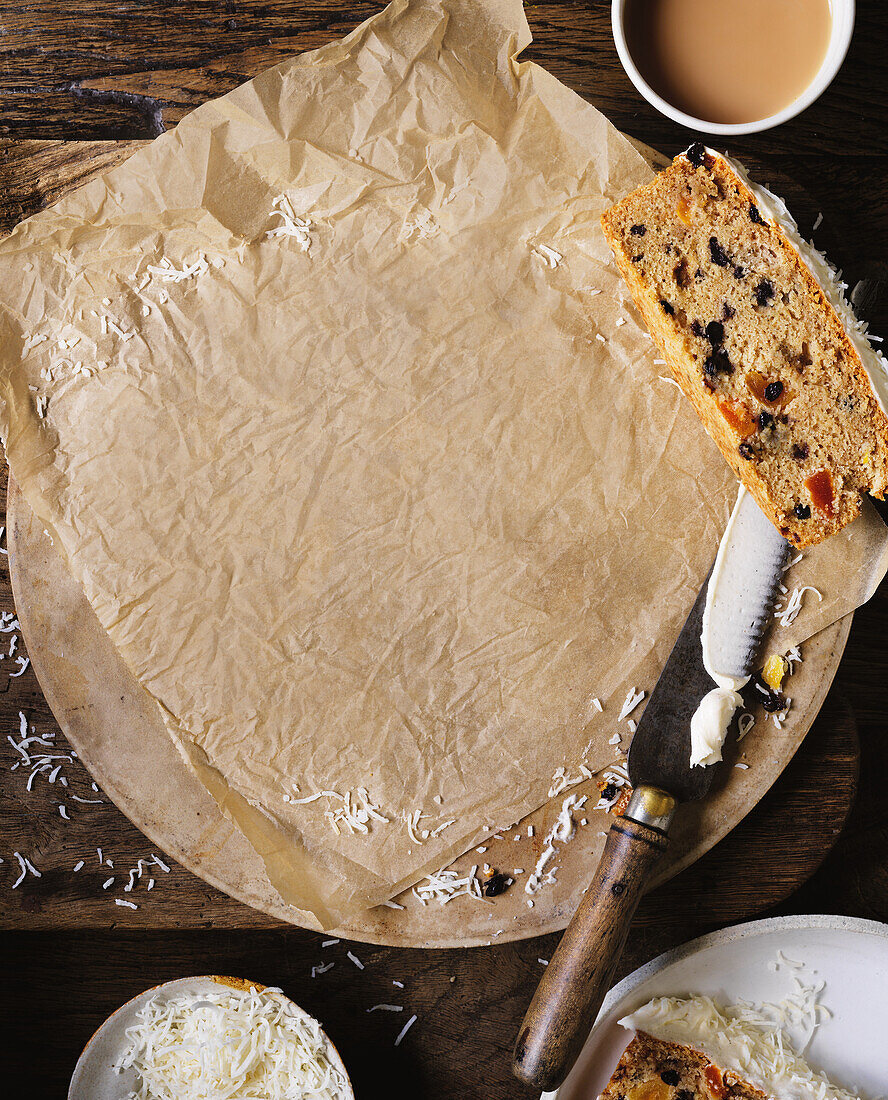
column 742, row 1039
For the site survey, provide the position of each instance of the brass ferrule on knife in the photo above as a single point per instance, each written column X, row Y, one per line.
column 651, row 806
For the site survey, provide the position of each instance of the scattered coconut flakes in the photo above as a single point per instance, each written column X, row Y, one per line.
column 354, row 958
column 400, row 985
column 745, row 724
column 315, row 970
column 543, row 962
column 79, row 865
column 445, row 885
column 26, row 868
column 788, row 615
column 617, row 777
column 405, row 1029
column 32, row 341
column 423, row 226
column 42, row 761
column 630, row 703
column 383, row 1007
column 596, row 702
column 292, row 225
column 550, row 256
column 356, row 813
column 743, row 767
column 562, row 830
column 561, row 781
column 793, row 657
column 412, row 819
column 818, row 222
column 23, row 663
column 168, row 273
column 128, row 904
column 329, row 943
column 792, row 562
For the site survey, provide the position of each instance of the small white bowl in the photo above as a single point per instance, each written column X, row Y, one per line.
column 95, row 1077
column 839, row 40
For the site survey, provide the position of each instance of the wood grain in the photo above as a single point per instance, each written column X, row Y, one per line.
column 121, row 69
column 581, row 971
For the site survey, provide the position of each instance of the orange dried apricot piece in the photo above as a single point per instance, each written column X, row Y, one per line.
column 714, row 1082
column 820, row 486
column 737, row 416
column 652, row 1089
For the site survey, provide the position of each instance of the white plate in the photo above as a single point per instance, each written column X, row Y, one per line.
column 848, row 954
column 94, row 1075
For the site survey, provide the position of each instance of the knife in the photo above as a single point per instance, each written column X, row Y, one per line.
column 744, row 578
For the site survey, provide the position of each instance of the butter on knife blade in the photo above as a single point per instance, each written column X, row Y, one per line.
column 751, row 559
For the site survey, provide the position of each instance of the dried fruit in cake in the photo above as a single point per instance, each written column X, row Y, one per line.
column 760, row 340
column 691, row 1049
column 655, row 1070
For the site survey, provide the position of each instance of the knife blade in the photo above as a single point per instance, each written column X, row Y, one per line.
column 723, row 632
column 721, row 637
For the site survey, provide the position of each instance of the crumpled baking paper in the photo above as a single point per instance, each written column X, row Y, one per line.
column 337, row 408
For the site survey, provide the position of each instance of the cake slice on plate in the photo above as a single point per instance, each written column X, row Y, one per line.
column 688, row 1049
column 755, row 328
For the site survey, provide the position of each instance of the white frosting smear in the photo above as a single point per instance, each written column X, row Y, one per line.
column 744, row 1039
column 709, row 725
column 774, row 210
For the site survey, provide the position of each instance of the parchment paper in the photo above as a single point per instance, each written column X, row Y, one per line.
column 386, row 513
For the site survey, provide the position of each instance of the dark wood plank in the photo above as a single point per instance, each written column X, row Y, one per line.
column 127, row 68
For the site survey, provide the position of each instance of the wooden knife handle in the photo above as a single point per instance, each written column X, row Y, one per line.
column 581, row 971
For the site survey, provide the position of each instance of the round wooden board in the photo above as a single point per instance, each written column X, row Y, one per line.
column 117, row 731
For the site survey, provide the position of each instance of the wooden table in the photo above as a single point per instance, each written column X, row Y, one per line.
column 109, row 70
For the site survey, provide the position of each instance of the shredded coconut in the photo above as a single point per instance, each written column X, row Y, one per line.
column 744, row 725
column 764, row 1043
column 26, row 868
column 548, row 255
column 562, row 830
column 404, row 1030
column 631, row 702
column 292, row 225
column 232, row 1043
column 788, row 615
column 445, row 885
column 168, row 273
